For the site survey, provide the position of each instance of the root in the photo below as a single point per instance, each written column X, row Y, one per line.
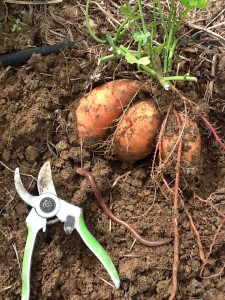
column 213, row 130
column 198, row 238
column 204, row 257
column 210, row 204
column 178, row 146
column 175, row 210
column 212, row 245
column 222, row 215
column 202, row 116
column 195, row 230
column 158, row 145
column 177, row 198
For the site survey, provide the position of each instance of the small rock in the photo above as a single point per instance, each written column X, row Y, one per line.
column 221, row 285
column 61, row 145
column 140, row 174
column 20, row 156
column 67, row 173
column 76, row 154
column 59, row 163
column 163, row 288
column 6, row 155
column 137, row 183
column 31, row 154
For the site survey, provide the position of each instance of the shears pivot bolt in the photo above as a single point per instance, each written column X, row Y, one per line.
column 47, row 205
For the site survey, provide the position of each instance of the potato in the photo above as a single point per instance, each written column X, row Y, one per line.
column 136, row 132
column 191, row 143
column 98, row 110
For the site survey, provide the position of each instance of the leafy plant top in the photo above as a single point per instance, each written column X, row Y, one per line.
column 154, row 54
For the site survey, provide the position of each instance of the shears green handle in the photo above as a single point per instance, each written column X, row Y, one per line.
column 31, row 237
column 34, row 224
column 97, row 249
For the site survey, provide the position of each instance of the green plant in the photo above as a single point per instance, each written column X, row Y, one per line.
column 16, row 26
column 150, row 53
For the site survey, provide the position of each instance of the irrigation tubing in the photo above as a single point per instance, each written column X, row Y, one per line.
column 19, row 57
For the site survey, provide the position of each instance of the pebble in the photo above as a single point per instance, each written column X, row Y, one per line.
column 31, row 154
column 61, row 145
column 6, row 155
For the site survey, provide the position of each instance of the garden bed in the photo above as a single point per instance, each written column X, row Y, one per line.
column 37, row 103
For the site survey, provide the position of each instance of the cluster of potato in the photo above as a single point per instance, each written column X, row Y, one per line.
column 137, row 128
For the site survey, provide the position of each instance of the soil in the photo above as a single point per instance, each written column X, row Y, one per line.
column 37, row 105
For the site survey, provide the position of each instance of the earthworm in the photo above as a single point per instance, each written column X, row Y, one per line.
column 101, row 202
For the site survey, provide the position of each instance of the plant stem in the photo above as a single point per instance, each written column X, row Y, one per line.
column 171, row 54
column 169, row 39
column 163, row 81
column 89, row 26
column 148, row 70
column 162, row 18
column 110, row 41
column 154, row 27
column 181, row 78
column 139, row 49
column 171, row 12
column 168, row 42
column 123, row 48
column 121, row 28
column 142, row 17
column 181, row 19
column 152, row 72
column 151, row 53
column 109, row 58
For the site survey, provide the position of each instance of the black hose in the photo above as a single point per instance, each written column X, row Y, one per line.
column 16, row 58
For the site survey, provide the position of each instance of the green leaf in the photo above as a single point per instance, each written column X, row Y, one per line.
column 130, row 58
column 144, row 61
column 14, row 28
column 158, row 49
column 194, row 3
column 141, row 36
column 125, row 9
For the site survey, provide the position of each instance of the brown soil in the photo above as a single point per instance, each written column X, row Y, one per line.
column 36, row 103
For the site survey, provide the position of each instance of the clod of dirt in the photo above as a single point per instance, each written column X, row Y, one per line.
column 163, row 288
column 129, row 268
column 6, row 155
column 38, row 63
column 31, row 154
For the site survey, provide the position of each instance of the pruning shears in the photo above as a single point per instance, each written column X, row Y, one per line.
column 47, row 208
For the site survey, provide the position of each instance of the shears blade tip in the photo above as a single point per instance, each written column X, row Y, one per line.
column 45, row 181
column 22, row 192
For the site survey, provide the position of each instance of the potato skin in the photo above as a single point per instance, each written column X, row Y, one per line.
column 191, row 143
column 136, row 132
column 98, row 110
